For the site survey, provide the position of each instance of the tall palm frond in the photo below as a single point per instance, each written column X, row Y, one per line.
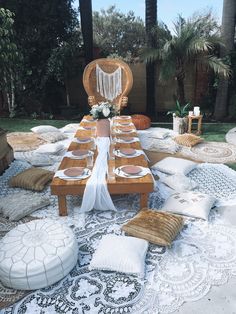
column 150, row 54
column 167, row 69
column 217, row 65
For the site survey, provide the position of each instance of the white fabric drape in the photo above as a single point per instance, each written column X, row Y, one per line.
column 96, row 194
column 109, row 85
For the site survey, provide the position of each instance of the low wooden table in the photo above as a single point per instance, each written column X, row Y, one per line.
column 199, row 124
column 119, row 185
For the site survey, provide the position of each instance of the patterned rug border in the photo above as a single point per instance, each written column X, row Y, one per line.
column 196, row 152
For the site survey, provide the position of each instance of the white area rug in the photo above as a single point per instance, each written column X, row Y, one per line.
column 214, row 152
column 231, row 136
column 204, row 254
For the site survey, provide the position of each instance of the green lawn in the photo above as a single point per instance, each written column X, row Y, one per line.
column 24, row 125
column 211, row 131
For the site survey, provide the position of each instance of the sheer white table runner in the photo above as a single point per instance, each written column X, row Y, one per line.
column 96, row 194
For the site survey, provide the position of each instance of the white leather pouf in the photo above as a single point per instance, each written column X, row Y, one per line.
column 37, row 254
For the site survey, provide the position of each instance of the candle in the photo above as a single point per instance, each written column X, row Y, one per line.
column 196, row 111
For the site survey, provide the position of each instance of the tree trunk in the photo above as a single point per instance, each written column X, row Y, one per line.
column 151, row 22
column 67, row 90
column 181, row 92
column 227, row 34
column 85, row 7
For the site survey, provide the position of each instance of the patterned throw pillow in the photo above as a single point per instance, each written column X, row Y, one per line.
column 192, row 204
column 18, row 205
column 121, row 254
column 156, row 227
column 188, row 139
column 32, row 179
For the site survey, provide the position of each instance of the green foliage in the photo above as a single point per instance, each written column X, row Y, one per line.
column 118, row 33
column 40, row 27
column 194, row 42
column 64, row 60
column 9, row 55
column 180, row 111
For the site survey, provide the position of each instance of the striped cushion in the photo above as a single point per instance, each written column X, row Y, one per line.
column 188, row 139
column 156, row 227
column 32, row 179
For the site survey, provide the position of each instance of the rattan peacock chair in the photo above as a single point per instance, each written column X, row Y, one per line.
column 108, row 80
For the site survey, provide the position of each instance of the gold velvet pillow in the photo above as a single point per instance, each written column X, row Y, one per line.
column 188, row 139
column 156, row 227
column 32, row 179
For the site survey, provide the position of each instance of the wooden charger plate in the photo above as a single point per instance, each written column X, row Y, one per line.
column 128, row 151
column 83, row 139
column 124, row 117
column 132, row 169
column 74, row 172
column 125, row 129
column 127, row 139
column 79, row 152
column 124, row 123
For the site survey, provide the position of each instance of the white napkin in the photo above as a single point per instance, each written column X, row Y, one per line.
column 137, row 153
column 96, row 194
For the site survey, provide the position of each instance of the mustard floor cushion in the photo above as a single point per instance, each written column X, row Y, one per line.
column 154, row 226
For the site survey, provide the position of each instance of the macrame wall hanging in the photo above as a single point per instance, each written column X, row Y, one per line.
column 109, row 85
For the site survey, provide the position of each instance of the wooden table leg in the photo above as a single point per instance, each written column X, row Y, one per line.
column 143, row 200
column 199, row 126
column 189, row 124
column 62, row 205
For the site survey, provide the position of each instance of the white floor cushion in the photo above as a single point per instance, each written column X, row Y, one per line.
column 120, row 253
column 53, row 148
column 172, row 165
column 70, row 128
column 53, row 137
column 44, row 128
column 20, row 204
column 179, row 182
column 37, row 254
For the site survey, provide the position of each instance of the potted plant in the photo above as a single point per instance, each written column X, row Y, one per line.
column 180, row 119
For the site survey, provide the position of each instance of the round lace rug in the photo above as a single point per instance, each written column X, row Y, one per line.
column 203, row 255
column 231, row 136
column 215, row 152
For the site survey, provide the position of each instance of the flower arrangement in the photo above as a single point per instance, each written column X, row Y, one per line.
column 103, row 110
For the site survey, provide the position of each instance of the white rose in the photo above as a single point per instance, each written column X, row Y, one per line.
column 106, row 111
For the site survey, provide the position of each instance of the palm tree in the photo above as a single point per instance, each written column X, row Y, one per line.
column 150, row 22
column 191, row 43
column 227, row 33
column 85, row 7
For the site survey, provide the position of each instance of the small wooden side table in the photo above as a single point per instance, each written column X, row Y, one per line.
column 199, row 124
